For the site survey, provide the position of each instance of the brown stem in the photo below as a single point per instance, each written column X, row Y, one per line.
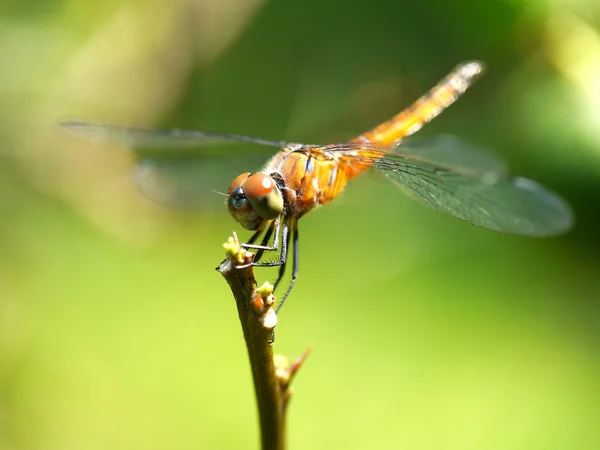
column 258, row 321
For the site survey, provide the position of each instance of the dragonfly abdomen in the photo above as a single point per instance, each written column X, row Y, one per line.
column 424, row 109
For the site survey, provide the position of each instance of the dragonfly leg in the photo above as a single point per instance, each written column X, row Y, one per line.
column 266, row 240
column 282, row 257
column 285, row 244
column 295, row 266
column 287, row 232
column 274, row 226
column 253, row 238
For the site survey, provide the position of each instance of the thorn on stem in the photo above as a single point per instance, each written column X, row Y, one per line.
column 295, row 367
column 284, row 371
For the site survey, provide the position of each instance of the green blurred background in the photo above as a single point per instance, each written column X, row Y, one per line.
column 117, row 333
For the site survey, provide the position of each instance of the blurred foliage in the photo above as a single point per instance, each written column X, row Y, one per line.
column 115, row 331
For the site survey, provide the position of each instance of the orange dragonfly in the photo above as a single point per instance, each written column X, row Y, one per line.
column 445, row 174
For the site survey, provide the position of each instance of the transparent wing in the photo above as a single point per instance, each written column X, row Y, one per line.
column 188, row 183
column 446, row 152
column 510, row 205
column 452, row 153
column 139, row 138
column 470, row 185
column 167, row 167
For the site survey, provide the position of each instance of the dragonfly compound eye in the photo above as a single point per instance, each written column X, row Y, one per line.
column 254, row 199
column 239, row 206
column 264, row 195
column 237, row 183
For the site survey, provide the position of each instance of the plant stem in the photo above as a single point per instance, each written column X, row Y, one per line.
column 258, row 321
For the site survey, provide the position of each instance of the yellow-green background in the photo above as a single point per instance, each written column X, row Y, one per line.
column 117, row 333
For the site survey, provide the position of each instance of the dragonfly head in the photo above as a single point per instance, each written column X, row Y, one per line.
column 254, row 199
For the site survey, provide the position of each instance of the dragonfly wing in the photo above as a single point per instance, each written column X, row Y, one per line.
column 466, row 182
column 453, row 153
column 177, row 168
column 140, row 139
column 445, row 151
column 505, row 204
column 188, row 183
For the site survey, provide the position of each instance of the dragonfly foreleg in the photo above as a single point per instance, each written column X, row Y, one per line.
column 252, row 239
column 276, row 238
column 263, row 246
column 283, row 256
column 287, row 232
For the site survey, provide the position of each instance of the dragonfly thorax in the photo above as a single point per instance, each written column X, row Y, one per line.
column 254, row 199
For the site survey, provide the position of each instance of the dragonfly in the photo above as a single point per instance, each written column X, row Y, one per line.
column 444, row 173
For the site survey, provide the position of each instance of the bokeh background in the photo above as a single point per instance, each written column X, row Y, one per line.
column 115, row 330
